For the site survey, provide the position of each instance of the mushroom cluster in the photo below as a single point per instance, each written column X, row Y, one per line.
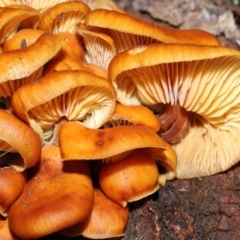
column 99, row 108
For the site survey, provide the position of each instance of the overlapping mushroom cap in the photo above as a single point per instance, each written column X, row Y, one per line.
column 112, row 144
column 200, row 79
column 11, row 18
column 71, row 95
column 57, row 196
column 63, row 17
column 20, row 66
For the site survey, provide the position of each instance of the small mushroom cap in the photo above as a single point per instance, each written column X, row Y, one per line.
column 22, row 39
column 58, row 196
column 18, row 137
column 133, row 115
column 131, row 178
column 63, row 17
column 107, row 220
column 22, row 66
column 74, row 95
column 129, row 31
column 11, row 19
column 12, row 183
column 5, row 233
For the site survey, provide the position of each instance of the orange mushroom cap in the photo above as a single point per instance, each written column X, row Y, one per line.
column 22, row 64
column 12, row 183
column 72, row 95
column 16, row 136
column 100, row 48
column 131, row 178
column 63, row 17
column 5, row 233
column 22, row 39
column 11, row 19
column 112, row 144
column 204, row 80
column 58, row 196
column 133, row 115
column 107, row 219
column 129, row 31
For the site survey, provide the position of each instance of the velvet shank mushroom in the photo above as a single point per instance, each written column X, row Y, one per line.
column 21, row 66
column 58, row 196
column 100, row 48
column 128, row 31
column 65, row 95
column 107, row 220
column 12, row 183
column 131, row 178
column 112, row 144
column 17, row 137
column 133, row 115
column 203, row 80
column 63, row 17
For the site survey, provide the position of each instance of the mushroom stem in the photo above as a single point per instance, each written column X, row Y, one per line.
column 175, row 122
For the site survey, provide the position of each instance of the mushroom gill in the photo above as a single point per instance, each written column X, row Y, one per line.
column 65, row 95
column 100, row 48
column 204, row 80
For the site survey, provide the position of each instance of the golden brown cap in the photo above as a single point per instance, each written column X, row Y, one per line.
column 22, row 66
column 12, row 183
column 129, row 31
column 16, row 136
column 133, row 115
column 58, row 196
column 63, row 17
column 11, row 19
column 131, row 178
column 107, row 220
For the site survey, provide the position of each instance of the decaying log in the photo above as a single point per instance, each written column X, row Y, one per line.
column 203, row 208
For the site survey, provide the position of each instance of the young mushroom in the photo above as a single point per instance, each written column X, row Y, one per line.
column 133, row 115
column 107, row 220
column 58, row 195
column 11, row 18
column 63, row 17
column 12, row 183
column 131, row 178
column 17, row 137
column 203, row 80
